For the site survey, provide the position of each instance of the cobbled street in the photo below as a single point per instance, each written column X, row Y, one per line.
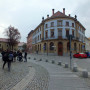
column 47, row 75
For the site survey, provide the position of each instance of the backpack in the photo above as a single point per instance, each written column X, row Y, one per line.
column 5, row 55
column 10, row 56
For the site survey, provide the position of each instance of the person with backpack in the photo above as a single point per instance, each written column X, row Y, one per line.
column 25, row 56
column 8, row 57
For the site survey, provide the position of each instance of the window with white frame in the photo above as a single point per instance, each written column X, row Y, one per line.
column 59, row 23
column 52, row 32
column 52, row 24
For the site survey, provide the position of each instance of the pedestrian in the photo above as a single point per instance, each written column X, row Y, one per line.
column 14, row 55
column 2, row 54
column 20, row 56
column 25, row 56
column 7, row 59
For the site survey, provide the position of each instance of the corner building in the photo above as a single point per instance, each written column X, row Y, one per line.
column 51, row 35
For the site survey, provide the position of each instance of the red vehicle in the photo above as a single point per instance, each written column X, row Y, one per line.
column 80, row 55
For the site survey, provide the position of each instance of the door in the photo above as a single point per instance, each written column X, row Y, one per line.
column 60, row 49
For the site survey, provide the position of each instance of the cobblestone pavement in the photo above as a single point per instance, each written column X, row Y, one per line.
column 8, row 79
column 57, row 59
column 42, row 79
column 18, row 71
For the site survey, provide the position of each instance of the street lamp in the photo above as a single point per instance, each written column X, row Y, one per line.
column 70, row 37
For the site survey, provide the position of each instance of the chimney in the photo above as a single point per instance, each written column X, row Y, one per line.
column 75, row 16
column 42, row 18
column 69, row 15
column 52, row 11
column 47, row 16
column 64, row 11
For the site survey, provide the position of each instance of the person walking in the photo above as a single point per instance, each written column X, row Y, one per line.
column 25, row 56
column 14, row 55
column 20, row 56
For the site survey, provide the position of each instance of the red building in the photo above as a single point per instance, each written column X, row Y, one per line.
column 29, row 42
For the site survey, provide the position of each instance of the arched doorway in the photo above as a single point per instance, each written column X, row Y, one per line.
column 60, row 48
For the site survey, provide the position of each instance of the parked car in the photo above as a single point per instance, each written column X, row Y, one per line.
column 80, row 55
column 88, row 54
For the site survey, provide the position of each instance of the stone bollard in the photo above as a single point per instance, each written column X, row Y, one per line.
column 75, row 69
column 53, row 61
column 59, row 63
column 34, row 58
column 46, row 60
column 40, row 60
column 85, row 73
column 29, row 58
column 66, row 65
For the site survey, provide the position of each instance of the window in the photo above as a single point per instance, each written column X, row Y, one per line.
column 40, row 36
column 72, row 24
column 73, row 32
column 59, row 23
column 75, row 46
column 40, row 47
column 52, row 24
column 67, row 23
column 51, row 46
column 52, row 32
column 46, row 26
column 67, row 33
column 46, row 34
column 40, row 28
column 59, row 32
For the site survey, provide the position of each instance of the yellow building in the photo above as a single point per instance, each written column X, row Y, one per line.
column 51, row 35
column 4, row 45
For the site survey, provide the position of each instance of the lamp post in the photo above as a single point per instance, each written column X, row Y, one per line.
column 70, row 38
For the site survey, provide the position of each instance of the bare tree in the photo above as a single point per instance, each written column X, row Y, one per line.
column 13, row 36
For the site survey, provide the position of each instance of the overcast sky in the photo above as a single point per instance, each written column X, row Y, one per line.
column 26, row 15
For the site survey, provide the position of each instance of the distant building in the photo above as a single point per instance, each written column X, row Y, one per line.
column 87, row 44
column 20, row 46
column 51, row 35
column 4, row 44
column 29, row 42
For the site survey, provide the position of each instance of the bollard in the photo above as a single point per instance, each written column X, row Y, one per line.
column 75, row 69
column 53, row 61
column 85, row 73
column 66, row 65
column 40, row 60
column 46, row 60
column 59, row 63
column 34, row 58
column 29, row 58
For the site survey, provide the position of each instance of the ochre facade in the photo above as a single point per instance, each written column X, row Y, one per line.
column 51, row 35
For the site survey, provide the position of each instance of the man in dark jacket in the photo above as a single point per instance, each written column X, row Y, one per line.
column 7, row 60
column 25, row 56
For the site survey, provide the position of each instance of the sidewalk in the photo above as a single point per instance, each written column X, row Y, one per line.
column 61, row 78
column 40, row 75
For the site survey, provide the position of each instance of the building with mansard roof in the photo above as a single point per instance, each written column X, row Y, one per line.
column 51, row 35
